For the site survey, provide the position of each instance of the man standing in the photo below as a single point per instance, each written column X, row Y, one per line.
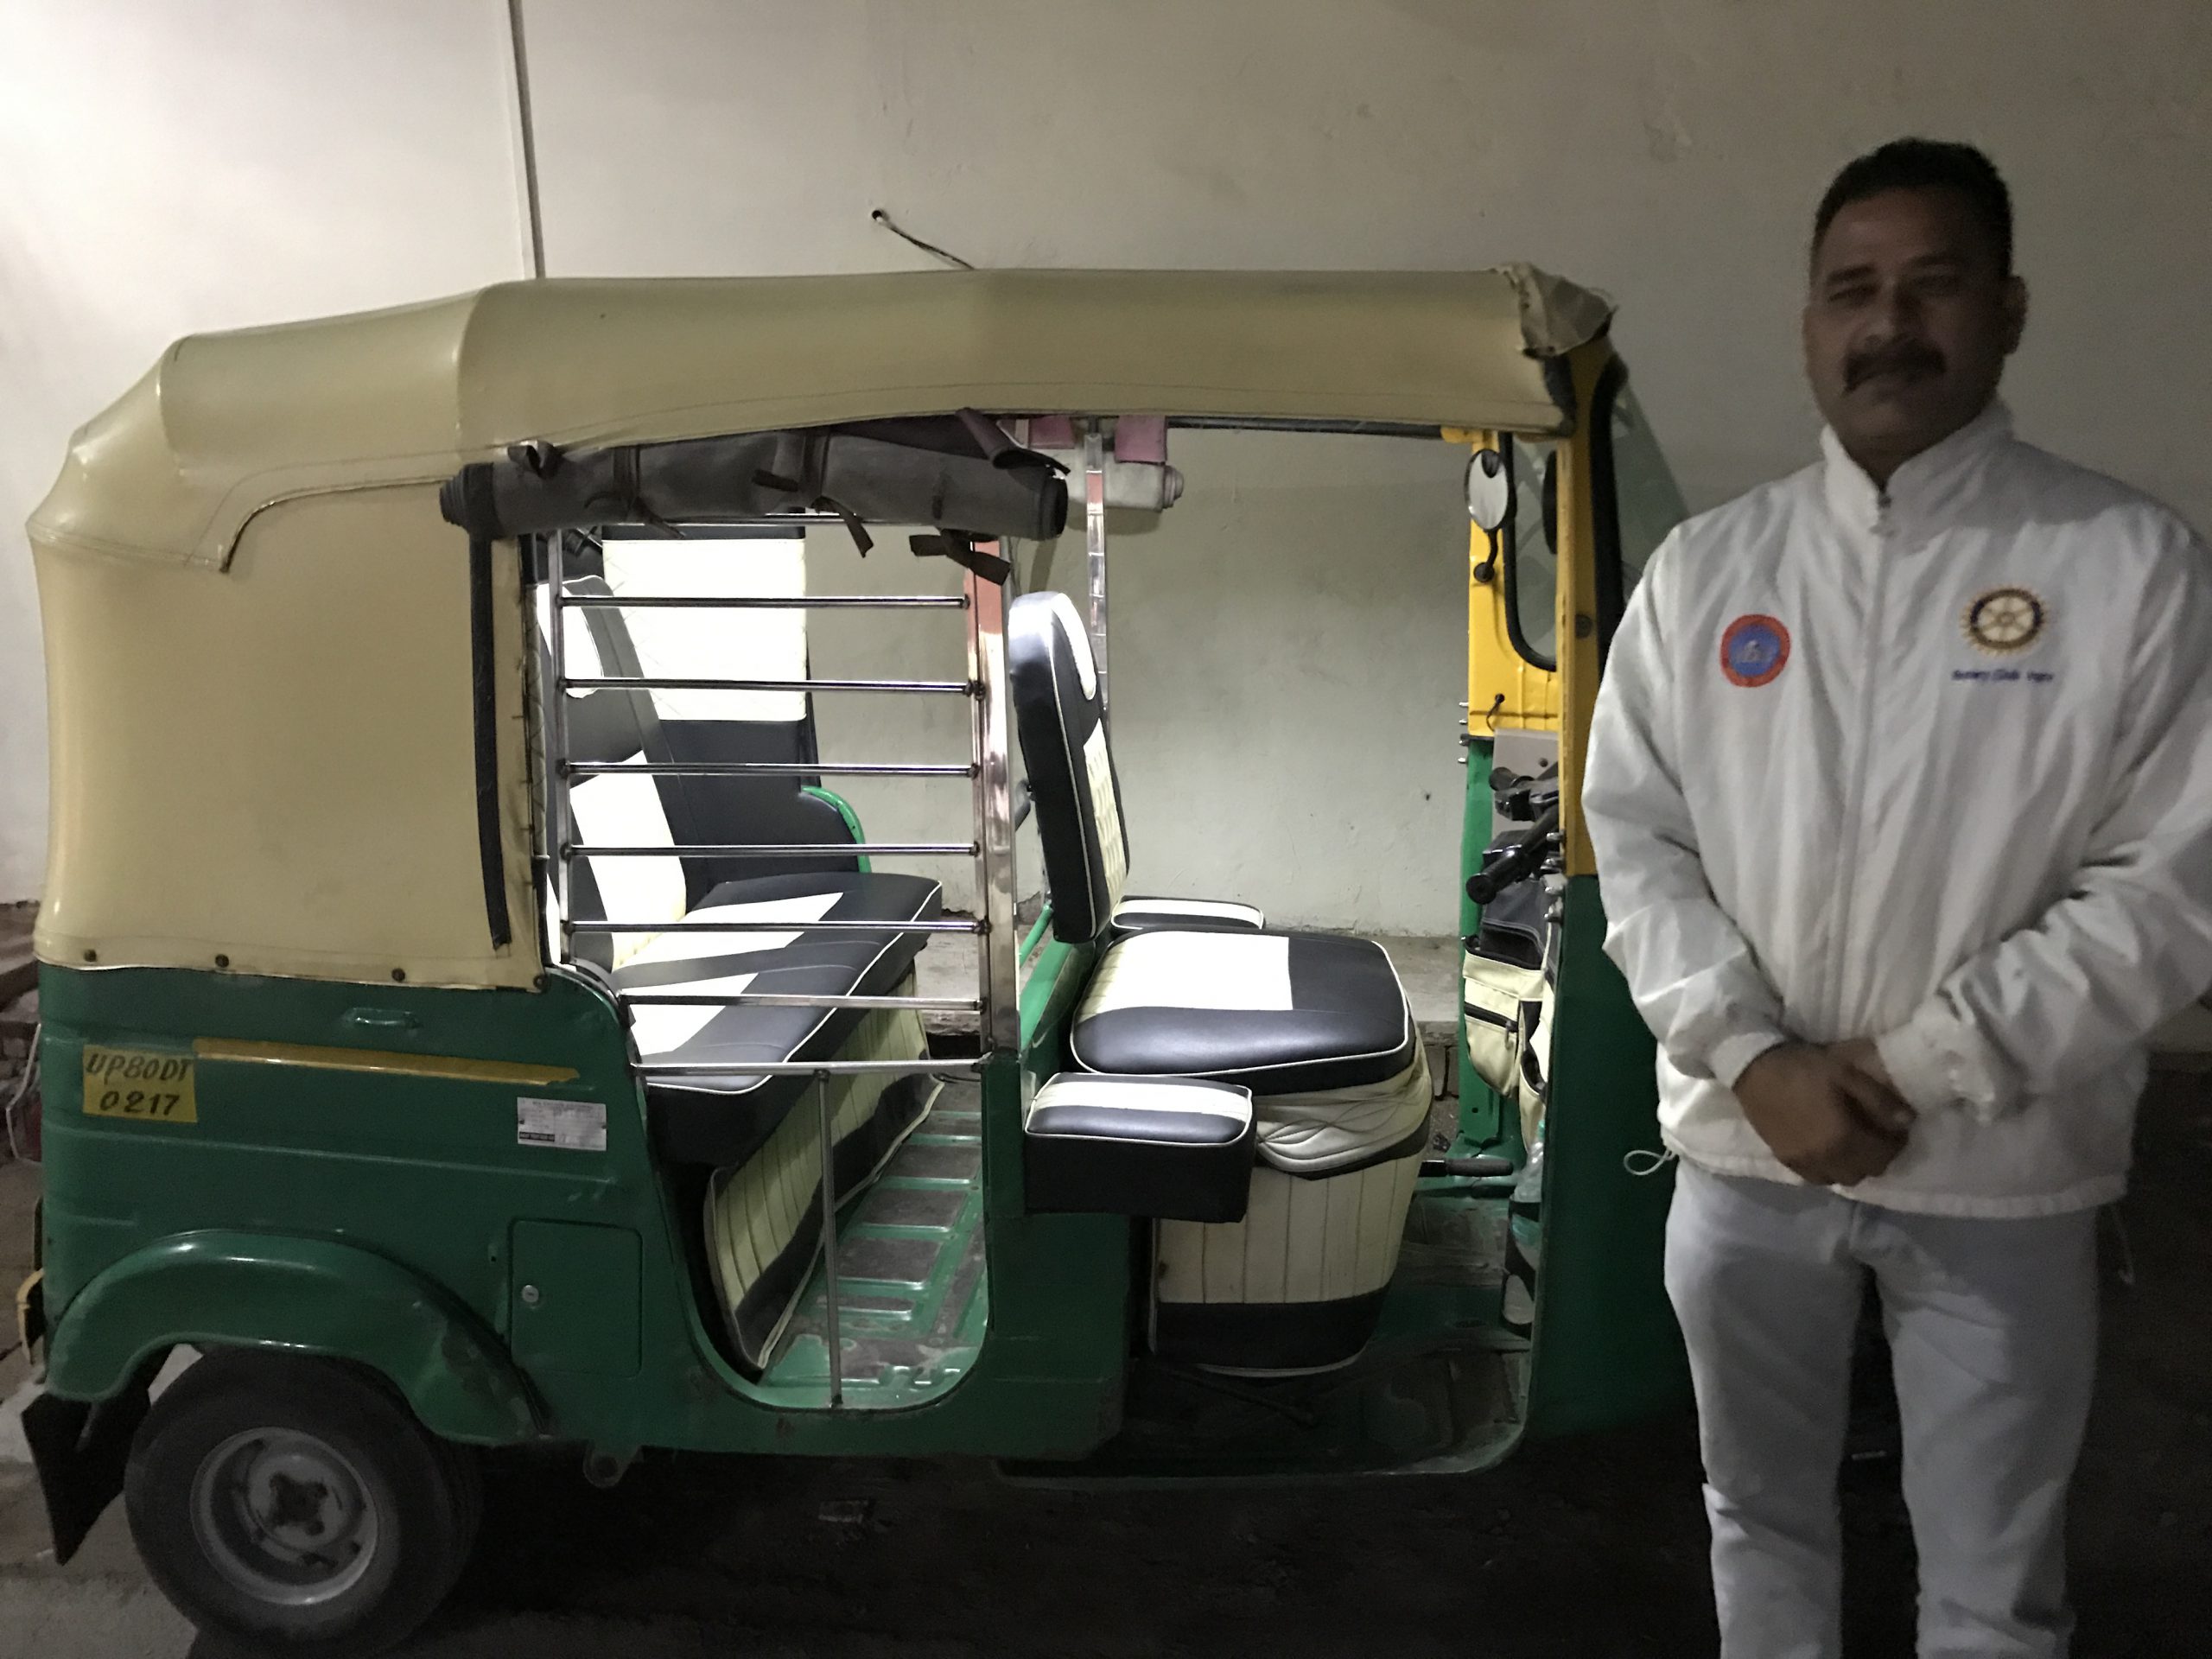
column 1901, row 789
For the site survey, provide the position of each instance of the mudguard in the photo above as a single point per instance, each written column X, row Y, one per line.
column 302, row 1295
column 244, row 1290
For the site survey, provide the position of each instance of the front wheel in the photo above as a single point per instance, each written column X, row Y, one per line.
column 296, row 1506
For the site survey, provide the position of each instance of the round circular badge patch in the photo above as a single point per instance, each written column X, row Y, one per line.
column 1754, row 651
column 2006, row 619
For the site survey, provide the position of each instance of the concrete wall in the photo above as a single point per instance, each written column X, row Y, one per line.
column 179, row 166
column 1286, row 666
column 190, row 164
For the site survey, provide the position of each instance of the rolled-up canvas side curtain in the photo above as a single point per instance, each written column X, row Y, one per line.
column 956, row 472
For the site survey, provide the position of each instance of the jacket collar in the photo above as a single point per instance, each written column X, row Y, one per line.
column 1925, row 488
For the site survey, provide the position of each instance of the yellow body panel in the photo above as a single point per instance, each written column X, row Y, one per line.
column 1505, row 691
column 1577, row 650
column 149, row 1085
column 377, row 1061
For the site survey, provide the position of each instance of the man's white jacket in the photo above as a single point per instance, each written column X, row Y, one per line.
column 1933, row 766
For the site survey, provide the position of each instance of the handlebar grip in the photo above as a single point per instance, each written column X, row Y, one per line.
column 1518, row 862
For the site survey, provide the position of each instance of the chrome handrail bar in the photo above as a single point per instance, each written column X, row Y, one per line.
column 767, row 603
column 956, row 925
column 967, row 1068
column 662, row 682
column 781, row 850
column 800, row 1000
column 769, row 769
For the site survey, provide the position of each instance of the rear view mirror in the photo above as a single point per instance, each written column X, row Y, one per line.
column 1490, row 487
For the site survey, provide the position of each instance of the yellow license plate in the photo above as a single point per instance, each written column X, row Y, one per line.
column 155, row 1084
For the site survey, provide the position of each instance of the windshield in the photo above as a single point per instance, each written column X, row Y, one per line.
column 1650, row 504
column 1531, row 556
column 1647, row 505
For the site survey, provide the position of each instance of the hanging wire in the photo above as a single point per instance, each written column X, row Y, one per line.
column 906, row 236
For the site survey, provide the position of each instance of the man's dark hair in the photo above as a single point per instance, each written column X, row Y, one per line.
column 1926, row 164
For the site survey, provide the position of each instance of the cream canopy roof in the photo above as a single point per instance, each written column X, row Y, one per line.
column 227, row 424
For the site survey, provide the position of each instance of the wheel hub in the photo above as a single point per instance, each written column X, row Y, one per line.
column 284, row 1516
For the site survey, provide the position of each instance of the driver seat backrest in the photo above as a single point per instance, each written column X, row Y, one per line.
column 1062, row 717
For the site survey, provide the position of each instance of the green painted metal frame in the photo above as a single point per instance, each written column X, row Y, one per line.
column 1607, row 1350
column 845, row 811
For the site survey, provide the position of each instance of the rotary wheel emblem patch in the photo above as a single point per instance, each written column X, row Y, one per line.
column 2006, row 619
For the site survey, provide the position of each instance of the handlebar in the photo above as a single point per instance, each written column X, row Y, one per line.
column 1523, row 859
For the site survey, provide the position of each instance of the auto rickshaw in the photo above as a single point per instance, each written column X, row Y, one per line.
column 474, row 1019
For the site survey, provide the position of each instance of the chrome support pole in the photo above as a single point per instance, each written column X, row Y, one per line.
column 830, row 1332
column 533, row 214
column 1094, row 545
column 554, row 715
column 998, row 990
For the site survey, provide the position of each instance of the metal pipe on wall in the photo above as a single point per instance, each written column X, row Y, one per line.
column 533, row 225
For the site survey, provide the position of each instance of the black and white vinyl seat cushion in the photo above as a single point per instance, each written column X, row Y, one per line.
column 1157, row 1147
column 1278, row 1013
column 721, row 1116
column 1317, row 1027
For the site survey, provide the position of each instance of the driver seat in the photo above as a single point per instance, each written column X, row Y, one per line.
column 1314, row 1025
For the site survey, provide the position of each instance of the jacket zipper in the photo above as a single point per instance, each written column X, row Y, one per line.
column 1854, row 799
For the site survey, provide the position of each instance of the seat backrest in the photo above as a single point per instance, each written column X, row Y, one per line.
column 617, row 725
column 612, row 726
column 692, row 726
column 1062, row 720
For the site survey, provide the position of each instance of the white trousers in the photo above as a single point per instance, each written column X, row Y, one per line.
column 1992, row 1329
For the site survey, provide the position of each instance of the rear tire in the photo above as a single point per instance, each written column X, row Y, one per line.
column 295, row 1506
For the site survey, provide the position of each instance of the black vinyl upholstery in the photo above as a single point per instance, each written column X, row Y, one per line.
column 616, row 724
column 1062, row 717
column 721, row 1117
column 1176, row 1149
column 1137, row 913
column 1281, row 1012
column 763, row 810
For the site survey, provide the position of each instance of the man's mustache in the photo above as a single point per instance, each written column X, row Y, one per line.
column 1910, row 356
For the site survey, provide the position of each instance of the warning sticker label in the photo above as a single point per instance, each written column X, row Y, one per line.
column 572, row 1125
